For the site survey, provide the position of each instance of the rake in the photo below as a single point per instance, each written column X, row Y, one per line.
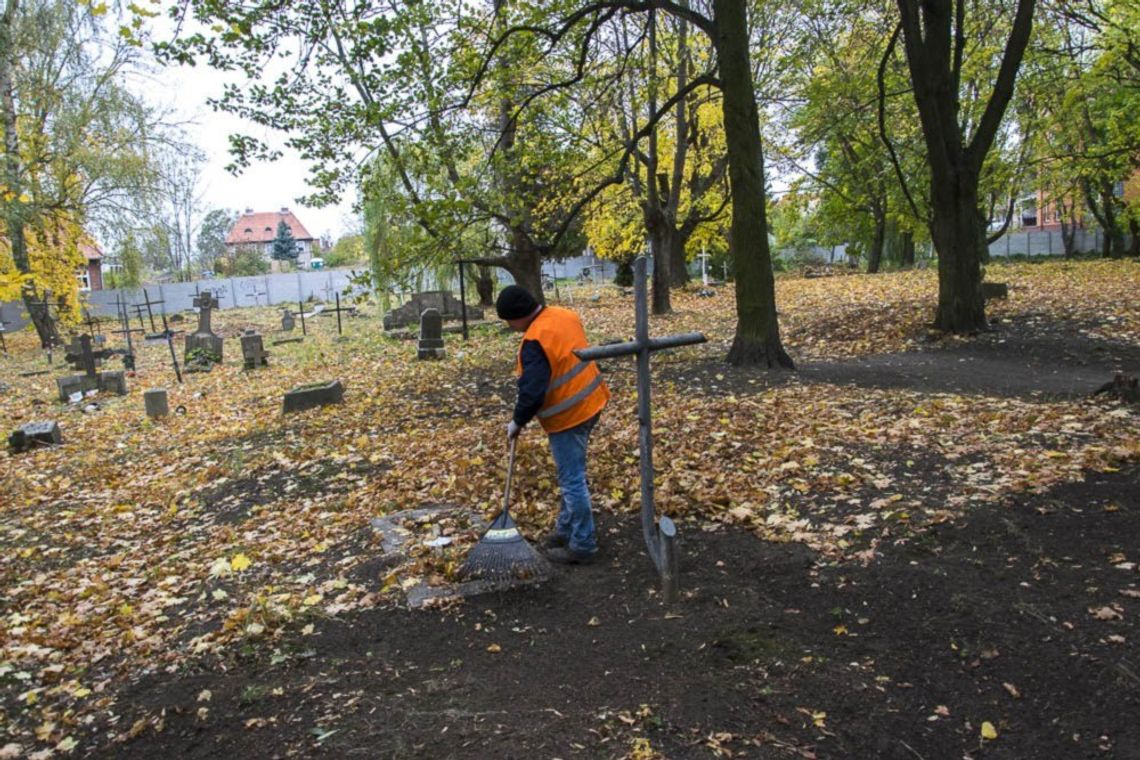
column 502, row 554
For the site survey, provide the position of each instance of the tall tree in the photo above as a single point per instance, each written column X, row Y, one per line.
column 211, row 240
column 284, row 246
column 935, row 42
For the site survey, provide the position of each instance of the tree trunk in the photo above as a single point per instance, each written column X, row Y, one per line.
column 906, row 257
column 524, row 262
column 875, row 255
column 13, row 213
column 757, row 339
column 933, row 42
column 485, row 285
column 1134, row 230
column 678, row 264
column 958, row 232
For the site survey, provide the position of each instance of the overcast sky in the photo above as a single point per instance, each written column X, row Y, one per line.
column 262, row 186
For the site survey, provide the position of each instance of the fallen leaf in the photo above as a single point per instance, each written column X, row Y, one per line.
column 494, row 649
column 988, row 731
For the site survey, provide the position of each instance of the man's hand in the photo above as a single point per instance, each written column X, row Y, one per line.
column 513, row 430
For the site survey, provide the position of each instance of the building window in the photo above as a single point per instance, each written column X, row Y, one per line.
column 84, row 277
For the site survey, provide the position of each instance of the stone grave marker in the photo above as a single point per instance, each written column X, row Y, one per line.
column 312, row 395
column 33, row 434
column 431, row 336
column 287, row 320
column 253, row 351
column 203, row 346
column 156, row 402
column 446, row 304
column 90, row 380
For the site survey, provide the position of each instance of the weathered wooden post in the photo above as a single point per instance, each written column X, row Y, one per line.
column 659, row 534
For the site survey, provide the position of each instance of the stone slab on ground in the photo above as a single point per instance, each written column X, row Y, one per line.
column 312, row 396
column 33, row 434
column 396, row 541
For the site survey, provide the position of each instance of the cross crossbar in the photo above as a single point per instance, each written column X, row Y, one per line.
column 659, row 534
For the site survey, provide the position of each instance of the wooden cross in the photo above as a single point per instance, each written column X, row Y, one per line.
column 659, row 534
column 301, row 312
column 256, row 295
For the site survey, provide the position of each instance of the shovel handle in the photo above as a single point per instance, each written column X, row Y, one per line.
column 510, row 476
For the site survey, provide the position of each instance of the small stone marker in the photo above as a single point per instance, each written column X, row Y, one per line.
column 253, row 351
column 992, row 290
column 312, row 396
column 287, row 321
column 431, row 336
column 203, row 347
column 156, row 403
column 34, row 434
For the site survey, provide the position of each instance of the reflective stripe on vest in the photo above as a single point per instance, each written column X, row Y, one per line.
column 561, row 380
column 562, row 406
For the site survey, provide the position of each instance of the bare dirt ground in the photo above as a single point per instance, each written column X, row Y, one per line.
column 1009, row 631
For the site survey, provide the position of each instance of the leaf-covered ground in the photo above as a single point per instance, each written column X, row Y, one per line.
column 143, row 558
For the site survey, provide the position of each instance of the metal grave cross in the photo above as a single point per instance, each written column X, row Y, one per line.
column 3, row 324
column 146, row 303
column 338, row 310
column 124, row 319
column 659, row 534
column 704, row 257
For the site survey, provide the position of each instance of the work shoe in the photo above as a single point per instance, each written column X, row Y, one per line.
column 554, row 541
column 564, row 555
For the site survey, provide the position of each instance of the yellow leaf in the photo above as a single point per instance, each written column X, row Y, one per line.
column 840, row 630
column 311, row 600
column 239, row 562
column 988, row 731
column 494, row 649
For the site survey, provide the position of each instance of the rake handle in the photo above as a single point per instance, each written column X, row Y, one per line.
column 510, row 477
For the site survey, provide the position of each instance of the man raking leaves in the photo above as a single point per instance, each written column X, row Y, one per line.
column 567, row 396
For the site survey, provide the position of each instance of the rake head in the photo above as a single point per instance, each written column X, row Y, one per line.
column 502, row 554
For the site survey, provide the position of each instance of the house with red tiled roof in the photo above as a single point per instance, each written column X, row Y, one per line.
column 259, row 229
column 90, row 274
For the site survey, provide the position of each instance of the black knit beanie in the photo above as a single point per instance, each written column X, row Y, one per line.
column 515, row 302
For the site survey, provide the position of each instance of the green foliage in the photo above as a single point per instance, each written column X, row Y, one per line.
column 212, row 234
column 348, row 250
column 284, row 247
column 246, row 261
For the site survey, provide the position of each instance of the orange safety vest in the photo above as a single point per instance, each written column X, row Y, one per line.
column 576, row 391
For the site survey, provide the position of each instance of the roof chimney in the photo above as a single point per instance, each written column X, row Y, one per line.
column 284, row 209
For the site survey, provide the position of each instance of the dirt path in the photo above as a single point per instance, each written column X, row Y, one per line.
column 772, row 654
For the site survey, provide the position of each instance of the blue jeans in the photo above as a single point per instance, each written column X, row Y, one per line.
column 576, row 517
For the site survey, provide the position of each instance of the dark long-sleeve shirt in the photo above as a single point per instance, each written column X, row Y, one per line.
column 533, row 382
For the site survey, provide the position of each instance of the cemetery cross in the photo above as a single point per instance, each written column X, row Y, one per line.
column 146, row 304
column 125, row 320
column 338, row 310
column 659, row 534
column 301, row 311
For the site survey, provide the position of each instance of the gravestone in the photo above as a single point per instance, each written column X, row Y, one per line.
column 991, row 290
column 312, row 395
column 90, row 380
column 442, row 301
column 431, row 336
column 34, row 434
column 156, row 403
column 287, row 321
column 253, row 351
column 203, row 346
